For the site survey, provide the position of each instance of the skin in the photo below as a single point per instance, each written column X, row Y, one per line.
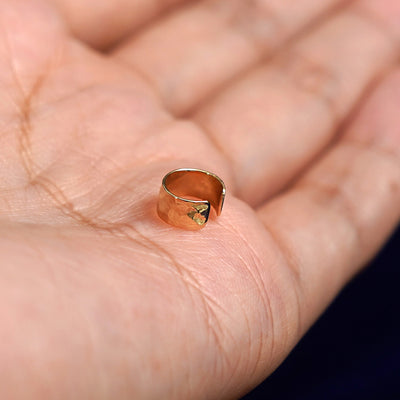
column 294, row 106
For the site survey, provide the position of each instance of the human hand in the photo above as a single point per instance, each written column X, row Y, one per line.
column 99, row 297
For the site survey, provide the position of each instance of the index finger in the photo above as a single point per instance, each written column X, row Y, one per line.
column 343, row 208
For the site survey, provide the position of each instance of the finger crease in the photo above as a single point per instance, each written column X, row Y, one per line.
column 293, row 265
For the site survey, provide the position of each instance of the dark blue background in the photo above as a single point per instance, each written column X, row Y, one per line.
column 353, row 351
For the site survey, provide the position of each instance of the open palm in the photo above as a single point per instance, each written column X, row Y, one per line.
column 99, row 297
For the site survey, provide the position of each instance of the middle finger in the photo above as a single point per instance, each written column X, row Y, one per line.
column 275, row 120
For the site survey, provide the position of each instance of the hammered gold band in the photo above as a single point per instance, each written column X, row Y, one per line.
column 186, row 197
